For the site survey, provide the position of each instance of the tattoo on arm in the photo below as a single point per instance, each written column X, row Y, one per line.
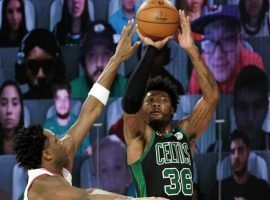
column 206, row 79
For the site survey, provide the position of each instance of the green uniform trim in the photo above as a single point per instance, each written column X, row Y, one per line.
column 138, row 171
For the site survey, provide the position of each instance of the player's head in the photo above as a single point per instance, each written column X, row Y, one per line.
column 240, row 149
column 35, row 145
column 160, row 101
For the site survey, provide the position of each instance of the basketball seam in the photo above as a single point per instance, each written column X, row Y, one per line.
column 156, row 7
column 158, row 23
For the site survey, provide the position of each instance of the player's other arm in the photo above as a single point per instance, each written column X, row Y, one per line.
column 204, row 110
column 134, row 123
column 55, row 188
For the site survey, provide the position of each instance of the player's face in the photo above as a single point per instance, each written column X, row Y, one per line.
column 157, row 104
column 96, row 60
column 221, row 48
column 10, row 108
column 56, row 148
column 253, row 7
column 76, row 7
column 129, row 5
column 239, row 156
column 62, row 102
column 14, row 14
column 114, row 172
column 250, row 106
column 40, row 67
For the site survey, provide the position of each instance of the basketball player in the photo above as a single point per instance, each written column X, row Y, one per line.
column 159, row 154
column 48, row 159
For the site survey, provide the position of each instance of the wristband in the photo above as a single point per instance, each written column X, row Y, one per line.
column 100, row 92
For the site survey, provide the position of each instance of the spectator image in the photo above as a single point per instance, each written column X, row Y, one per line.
column 11, row 114
column 161, row 59
column 40, row 64
column 75, row 18
column 114, row 172
column 241, row 185
column 222, row 48
column 96, row 49
column 120, row 18
column 250, row 105
column 196, row 8
column 255, row 18
column 13, row 26
column 63, row 120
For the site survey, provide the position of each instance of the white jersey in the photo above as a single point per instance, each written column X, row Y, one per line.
column 35, row 173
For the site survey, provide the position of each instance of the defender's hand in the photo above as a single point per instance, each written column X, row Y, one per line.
column 124, row 48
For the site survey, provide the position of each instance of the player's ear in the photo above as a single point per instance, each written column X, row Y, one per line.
column 47, row 154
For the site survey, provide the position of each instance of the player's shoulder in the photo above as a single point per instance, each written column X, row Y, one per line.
column 182, row 124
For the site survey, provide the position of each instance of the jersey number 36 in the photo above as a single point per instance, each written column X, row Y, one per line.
column 179, row 181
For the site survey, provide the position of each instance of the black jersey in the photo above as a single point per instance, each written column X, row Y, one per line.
column 165, row 168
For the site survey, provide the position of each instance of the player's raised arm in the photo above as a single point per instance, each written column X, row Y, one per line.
column 134, row 123
column 99, row 93
column 203, row 112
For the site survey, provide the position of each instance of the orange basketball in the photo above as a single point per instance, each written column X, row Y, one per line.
column 157, row 19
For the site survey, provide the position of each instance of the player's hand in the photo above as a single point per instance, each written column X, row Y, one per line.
column 124, row 48
column 184, row 36
column 158, row 44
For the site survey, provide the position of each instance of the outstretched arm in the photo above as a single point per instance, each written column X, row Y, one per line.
column 55, row 188
column 93, row 106
column 203, row 111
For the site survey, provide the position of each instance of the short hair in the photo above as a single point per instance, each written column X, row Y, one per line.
column 164, row 84
column 63, row 86
column 239, row 135
column 28, row 144
column 252, row 77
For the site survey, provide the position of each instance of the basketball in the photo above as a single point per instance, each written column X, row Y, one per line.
column 157, row 19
